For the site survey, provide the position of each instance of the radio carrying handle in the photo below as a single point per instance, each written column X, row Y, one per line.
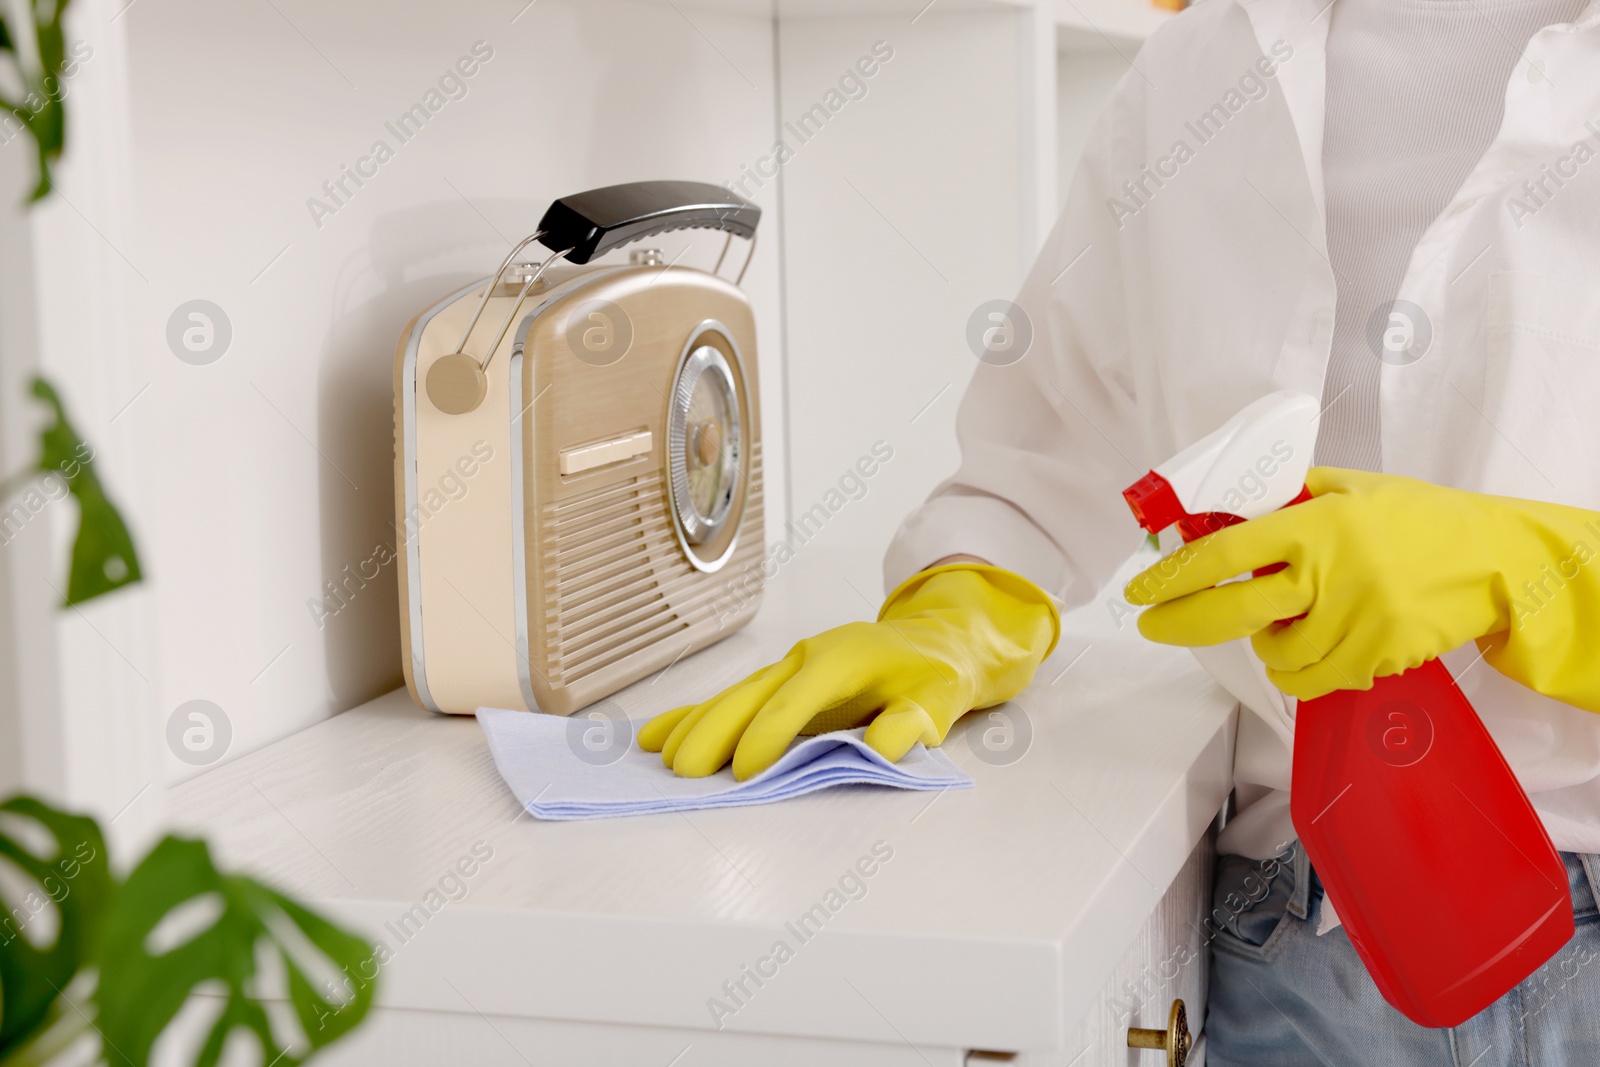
column 580, row 227
column 586, row 225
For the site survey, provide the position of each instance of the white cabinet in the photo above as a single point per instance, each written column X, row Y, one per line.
column 1012, row 917
column 1167, row 960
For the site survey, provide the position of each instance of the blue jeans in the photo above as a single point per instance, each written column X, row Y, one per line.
column 1280, row 996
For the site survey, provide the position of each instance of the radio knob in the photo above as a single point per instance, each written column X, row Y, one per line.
column 456, row 383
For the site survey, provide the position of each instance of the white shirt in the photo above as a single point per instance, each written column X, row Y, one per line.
column 1188, row 275
column 1415, row 93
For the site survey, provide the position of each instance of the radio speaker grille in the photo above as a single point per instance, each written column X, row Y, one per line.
column 616, row 581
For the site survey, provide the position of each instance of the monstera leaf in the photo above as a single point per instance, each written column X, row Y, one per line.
column 141, row 948
column 61, row 861
column 102, row 553
column 144, row 985
column 103, row 557
column 39, row 109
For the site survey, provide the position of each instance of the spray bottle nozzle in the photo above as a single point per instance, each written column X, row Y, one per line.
column 1155, row 506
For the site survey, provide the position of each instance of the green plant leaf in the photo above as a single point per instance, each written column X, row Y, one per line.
column 142, row 988
column 103, row 556
column 40, row 109
column 76, row 879
column 52, row 38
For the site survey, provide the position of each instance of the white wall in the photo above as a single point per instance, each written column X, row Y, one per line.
column 278, row 458
column 199, row 131
column 1088, row 67
column 904, row 214
column 19, row 551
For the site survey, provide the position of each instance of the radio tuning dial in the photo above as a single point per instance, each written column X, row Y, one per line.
column 703, row 440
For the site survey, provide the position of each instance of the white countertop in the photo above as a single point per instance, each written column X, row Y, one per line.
column 997, row 919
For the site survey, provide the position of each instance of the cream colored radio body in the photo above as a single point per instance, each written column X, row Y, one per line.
column 578, row 466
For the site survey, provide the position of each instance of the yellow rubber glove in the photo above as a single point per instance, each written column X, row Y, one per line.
column 948, row 640
column 1389, row 572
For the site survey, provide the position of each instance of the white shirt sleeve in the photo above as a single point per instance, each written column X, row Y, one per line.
column 1049, row 442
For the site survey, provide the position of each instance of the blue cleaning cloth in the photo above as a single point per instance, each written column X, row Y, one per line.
column 578, row 768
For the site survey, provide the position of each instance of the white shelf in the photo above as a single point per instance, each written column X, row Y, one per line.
column 791, row 9
column 1087, row 19
column 809, row 8
column 1091, row 22
column 1003, row 911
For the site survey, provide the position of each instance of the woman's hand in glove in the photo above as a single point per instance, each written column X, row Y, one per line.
column 1382, row 573
column 948, row 640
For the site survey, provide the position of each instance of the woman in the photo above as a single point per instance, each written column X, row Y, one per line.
column 1387, row 203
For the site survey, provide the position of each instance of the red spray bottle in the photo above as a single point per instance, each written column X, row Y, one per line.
column 1444, row 877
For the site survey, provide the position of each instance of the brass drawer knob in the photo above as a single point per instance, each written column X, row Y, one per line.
column 1175, row 1039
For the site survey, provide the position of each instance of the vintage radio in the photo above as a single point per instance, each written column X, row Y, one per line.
column 578, row 460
